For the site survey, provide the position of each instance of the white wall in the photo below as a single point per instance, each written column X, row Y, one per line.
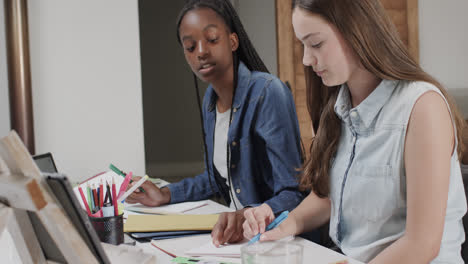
column 259, row 20
column 4, row 101
column 443, row 39
column 85, row 64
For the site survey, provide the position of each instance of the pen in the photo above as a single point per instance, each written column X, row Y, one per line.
column 123, row 174
column 132, row 189
column 278, row 220
column 108, row 193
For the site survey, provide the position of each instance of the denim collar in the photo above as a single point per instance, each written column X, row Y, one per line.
column 368, row 109
column 243, row 79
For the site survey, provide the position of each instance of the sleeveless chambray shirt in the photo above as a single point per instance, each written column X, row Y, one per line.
column 368, row 179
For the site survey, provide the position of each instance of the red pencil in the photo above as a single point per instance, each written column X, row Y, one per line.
column 114, row 198
column 96, row 201
column 84, row 201
column 169, row 253
column 101, row 195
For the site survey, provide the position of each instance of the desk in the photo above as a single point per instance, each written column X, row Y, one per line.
column 313, row 253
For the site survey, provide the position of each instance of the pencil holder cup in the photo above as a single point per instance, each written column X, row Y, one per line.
column 109, row 229
column 272, row 252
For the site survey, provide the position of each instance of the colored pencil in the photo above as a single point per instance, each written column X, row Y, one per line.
column 101, row 195
column 85, row 203
column 114, row 198
column 95, row 197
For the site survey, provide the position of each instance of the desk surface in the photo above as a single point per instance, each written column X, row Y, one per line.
column 313, row 253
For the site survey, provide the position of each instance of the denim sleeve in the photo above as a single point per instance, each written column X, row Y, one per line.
column 192, row 189
column 277, row 125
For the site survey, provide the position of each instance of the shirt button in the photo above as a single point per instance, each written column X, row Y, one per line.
column 238, row 190
column 234, row 144
column 233, row 166
column 235, row 110
column 353, row 114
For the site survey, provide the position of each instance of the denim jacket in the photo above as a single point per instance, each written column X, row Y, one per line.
column 264, row 142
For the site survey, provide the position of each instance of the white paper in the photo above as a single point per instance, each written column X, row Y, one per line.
column 178, row 208
column 227, row 250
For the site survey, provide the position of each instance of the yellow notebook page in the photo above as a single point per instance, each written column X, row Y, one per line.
column 155, row 223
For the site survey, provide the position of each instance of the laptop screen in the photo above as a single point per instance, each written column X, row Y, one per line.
column 46, row 163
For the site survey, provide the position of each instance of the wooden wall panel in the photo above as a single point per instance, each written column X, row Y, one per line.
column 290, row 67
column 285, row 39
column 413, row 28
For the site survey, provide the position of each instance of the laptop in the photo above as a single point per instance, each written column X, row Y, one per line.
column 45, row 162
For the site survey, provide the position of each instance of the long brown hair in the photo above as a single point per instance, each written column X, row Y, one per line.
column 371, row 34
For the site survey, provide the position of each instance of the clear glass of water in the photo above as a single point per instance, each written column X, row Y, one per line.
column 272, row 252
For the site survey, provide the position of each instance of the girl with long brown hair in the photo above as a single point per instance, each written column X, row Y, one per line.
column 383, row 168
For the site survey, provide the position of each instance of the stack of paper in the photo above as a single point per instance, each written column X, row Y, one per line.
column 155, row 223
column 179, row 208
column 167, row 234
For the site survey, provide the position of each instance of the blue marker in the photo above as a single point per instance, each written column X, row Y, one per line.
column 278, row 220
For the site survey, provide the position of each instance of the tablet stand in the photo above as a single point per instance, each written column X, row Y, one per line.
column 26, row 196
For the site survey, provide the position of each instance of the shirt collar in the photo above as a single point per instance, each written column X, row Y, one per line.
column 369, row 108
column 243, row 79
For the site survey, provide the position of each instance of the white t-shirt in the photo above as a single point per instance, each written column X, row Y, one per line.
column 220, row 151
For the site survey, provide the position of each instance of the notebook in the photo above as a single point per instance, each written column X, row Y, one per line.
column 178, row 208
column 156, row 223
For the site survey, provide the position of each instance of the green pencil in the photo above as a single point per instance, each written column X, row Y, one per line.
column 88, row 192
column 123, row 174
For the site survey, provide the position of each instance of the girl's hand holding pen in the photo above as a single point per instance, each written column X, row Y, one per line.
column 153, row 195
column 256, row 220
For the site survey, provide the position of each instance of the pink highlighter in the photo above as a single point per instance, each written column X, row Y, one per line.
column 124, row 185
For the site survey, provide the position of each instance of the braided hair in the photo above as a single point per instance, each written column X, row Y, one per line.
column 245, row 53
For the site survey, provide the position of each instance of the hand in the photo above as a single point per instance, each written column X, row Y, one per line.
column 153, row 195
column 283, row 230
column 228, row 229
column 257, row 219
